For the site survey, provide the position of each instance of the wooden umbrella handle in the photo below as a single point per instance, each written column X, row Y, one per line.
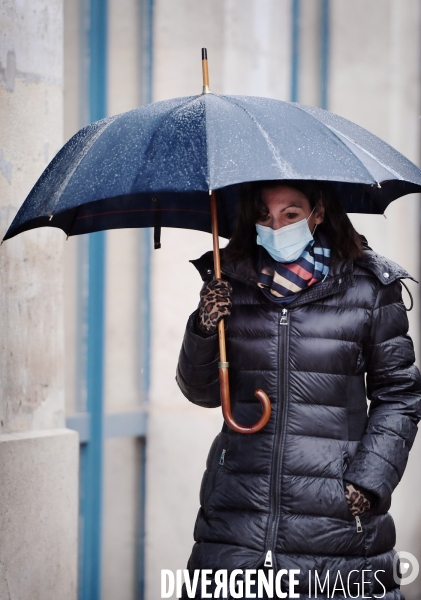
column 223, row 364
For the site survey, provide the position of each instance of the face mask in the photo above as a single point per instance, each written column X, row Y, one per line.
column 287, row 243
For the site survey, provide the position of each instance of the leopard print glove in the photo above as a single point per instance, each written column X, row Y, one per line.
column 215, row 304
column 356, row 500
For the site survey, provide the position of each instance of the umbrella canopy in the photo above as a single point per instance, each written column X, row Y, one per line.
column 156, row 164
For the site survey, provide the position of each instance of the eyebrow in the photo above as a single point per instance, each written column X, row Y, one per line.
column 291, row 206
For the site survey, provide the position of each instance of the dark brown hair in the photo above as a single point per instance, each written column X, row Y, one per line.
column 345, row 241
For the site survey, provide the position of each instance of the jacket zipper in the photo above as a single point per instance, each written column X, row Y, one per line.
column 268, row 559
column 280, row 429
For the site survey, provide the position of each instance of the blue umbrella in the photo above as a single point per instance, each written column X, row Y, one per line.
column 158, row 163
column 156, row 166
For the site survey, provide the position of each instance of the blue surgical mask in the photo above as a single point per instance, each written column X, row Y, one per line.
column 287, row 243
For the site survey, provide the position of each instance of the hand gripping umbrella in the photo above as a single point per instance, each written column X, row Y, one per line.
column 156, row 166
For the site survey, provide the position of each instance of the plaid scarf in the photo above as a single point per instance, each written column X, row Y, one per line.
column 282, row 282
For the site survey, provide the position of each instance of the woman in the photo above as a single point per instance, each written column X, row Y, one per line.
column 310, row 310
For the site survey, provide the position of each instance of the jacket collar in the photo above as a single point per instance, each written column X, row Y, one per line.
column 340, row 277
column 383, row 268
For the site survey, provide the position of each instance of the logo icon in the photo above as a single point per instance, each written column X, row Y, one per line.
column 405, row 568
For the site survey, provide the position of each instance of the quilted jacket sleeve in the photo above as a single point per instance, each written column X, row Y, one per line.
column 394, row 388
column 197, row 370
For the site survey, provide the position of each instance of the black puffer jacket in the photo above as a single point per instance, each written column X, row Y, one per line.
column 278, row 494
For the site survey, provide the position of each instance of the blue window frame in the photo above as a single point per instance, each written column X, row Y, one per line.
column 92, row 423
column 324, row 45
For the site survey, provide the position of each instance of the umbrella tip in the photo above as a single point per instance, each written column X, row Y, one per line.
column 205, row 71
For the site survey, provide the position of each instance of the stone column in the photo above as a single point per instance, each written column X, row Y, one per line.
column 38, row 456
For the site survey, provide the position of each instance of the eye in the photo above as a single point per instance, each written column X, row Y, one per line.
column 292, row 215
column 263, row 217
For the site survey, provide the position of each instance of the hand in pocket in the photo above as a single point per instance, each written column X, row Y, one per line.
column 357, row 501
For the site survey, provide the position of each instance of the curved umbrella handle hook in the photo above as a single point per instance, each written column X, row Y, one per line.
column 223, row 365
column 226, row 406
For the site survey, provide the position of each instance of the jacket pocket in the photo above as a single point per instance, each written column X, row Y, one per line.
column 345, row 461
column 215, row 462
column 345, row 464
column 360, row 519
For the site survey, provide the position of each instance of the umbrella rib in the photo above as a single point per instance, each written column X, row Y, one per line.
column 337, row 134
column 162, row 122
column 73, row 167
column 281, row 162
column 389, row 169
